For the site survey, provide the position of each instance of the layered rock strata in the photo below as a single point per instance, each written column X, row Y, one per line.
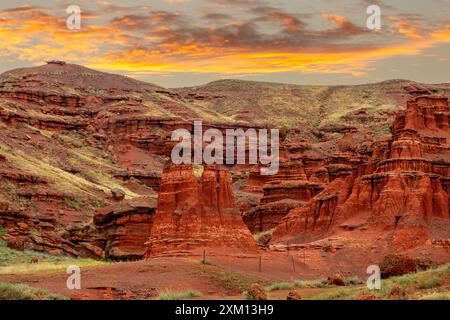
column 401, row 191
column 193, row 215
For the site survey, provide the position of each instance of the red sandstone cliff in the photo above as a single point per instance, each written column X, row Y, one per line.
column 193, row 215
column 402, row 191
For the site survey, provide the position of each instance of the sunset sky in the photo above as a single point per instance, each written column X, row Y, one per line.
column 190, row 42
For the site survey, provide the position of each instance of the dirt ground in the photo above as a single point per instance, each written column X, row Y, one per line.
column 221, row 277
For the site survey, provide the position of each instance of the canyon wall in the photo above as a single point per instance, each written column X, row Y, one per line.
column 402, row 190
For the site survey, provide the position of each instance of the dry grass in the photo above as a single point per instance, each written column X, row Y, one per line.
column 229, row 280
column 68, row 183
column 178, row 295
column 198, row 171
column 48, row 266
column 14, row 262
column 107, row 183
column 429, row 284
column 258, row 235
column 14, row 291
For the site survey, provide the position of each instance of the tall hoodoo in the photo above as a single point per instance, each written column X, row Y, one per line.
column 192, row 216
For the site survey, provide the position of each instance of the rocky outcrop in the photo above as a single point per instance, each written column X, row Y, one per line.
column 268, row 216
column 314, row 220
column 289, row 188
column 303, row 175
column 401, row 191
column 126, row 227
column 45, row 235
column 192, row 215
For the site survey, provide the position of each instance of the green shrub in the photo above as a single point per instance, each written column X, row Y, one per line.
column 335, row 294
column 207, row 262
column 279, row 286
column 182, row 295
column 406, row 279
column 12, row 291
column 320, row 283
column 230, row 280
column 246, row 295
column 74, row 204
column 353, row 281
column 429, row 283
column 19, row 262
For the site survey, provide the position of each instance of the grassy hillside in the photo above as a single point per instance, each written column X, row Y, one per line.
column 296, row 105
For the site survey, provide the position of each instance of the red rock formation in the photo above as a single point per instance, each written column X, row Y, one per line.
column 267, row 216
column 43, row 234
column 401, row 191
column 193, row 215
column 127, row 227
column 313, row 221
column 289, row 188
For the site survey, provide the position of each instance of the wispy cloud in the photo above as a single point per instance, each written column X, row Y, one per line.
column 265, row 39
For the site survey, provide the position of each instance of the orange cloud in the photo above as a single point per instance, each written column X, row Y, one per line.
column 164, row 42
column 406, row 28
column 351, row 61
column 290, row 23
column 345, row 26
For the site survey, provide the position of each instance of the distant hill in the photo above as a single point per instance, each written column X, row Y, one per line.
column 224, row 101
column 73, row 76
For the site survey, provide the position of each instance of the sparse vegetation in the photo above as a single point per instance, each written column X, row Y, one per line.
column 245, row 295
column 198, row 170
column 2, row 231
column 96, row 203
column 107, row 183
column 353, row 281
column 178, row 295
column 7, row 187
column 13, row 291
column 207, row 262
column 334, row 294
column 438, row 296
column 18, row 262
column 320, row 283
column 74, row 203
column 263, row 236
column 230, row 280
column 382, row 131
column 408, row 286
column 63, row 181
column 428, row 283
column 280, row 286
